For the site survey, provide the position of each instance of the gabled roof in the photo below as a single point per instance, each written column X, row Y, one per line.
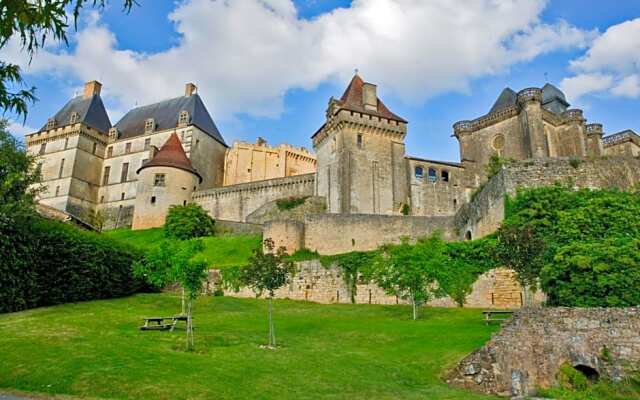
column 171, row 154
column 352, row 100
column 166, row 114
column 90, row 110
column 506, row 99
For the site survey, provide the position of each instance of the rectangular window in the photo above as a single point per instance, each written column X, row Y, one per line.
column 61, row 168
column 122, row 196
column 101, row 199
column 109, row 151
column 95, row 147
column 105, row 175
column 57, row 190
column 144, row 160
column 43, row 148
column 158, row 180
column 147, row 143
column 125, row 172
column 39, row 169
column 127, row 148
column 66, row 143
column 153, row 199
column 359, row 140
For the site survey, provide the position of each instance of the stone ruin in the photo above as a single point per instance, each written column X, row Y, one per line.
column 528, row 351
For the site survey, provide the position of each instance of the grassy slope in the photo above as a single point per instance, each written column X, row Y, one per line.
column 327, row 351
column 220, row 251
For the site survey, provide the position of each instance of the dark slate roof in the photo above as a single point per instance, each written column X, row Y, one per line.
column 171, row 154
column 166, row 114
column 352, row 100
column 506, row 99
column 90, row 109
column 553, row 99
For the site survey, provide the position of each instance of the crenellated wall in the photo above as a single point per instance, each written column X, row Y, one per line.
column 235, row 203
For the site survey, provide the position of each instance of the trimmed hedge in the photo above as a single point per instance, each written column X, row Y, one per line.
column 45, row 262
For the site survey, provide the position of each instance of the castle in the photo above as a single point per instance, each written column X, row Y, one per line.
column 171, row 152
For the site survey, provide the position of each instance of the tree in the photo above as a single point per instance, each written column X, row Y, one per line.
column 32, row 23
column 410, row 272
column 352, row 265
column 267, row 271
column 176, row 261
column 522, row 250
column 188, row 222
column 17, row 173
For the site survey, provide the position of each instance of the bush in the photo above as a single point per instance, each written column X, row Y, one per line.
column 596, row 274
column 290, row 203
column 44, row 262
column 188, row 222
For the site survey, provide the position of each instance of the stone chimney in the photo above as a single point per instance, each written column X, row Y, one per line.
column 190, row 89
column 369, row 97
column 92, row 88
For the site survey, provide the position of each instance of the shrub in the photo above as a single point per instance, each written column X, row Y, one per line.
column 405, row 209
column 290, row 203
column 188, row 222
column 45, row 262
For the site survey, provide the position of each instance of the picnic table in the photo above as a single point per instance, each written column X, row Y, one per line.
column 489, row 315
column 159, row 324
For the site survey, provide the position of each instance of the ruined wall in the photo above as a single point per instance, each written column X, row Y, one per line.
column 342, row 233
column 485, row 212
column 234, row 203
column 527, row 353
column 314, row 282
column 270, row 211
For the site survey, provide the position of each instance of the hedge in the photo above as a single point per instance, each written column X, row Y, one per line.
column 44, row 262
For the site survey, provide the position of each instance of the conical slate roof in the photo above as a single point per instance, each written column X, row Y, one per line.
column 90, row 111
column 352, row 100
column 171, row 154
column 506, row 99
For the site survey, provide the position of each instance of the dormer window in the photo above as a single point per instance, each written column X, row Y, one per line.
column 183, row 118
column 149, row 125
column 113, row 134
column 75, row 117
column 51, row 123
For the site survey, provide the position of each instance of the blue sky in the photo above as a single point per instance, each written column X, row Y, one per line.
column 268, row 67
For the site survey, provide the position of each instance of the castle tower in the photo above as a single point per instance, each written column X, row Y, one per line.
column 167, row 179
column 360, row 150
column 70, row 148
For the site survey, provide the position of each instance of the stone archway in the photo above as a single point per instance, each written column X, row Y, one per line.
column 589, row 372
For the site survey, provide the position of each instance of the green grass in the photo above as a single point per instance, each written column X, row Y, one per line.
column 220, row 251
column 326, row 351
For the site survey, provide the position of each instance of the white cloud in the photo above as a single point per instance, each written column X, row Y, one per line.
column 18, row 129
column 245, row 55
column 579, row 85
column 614, row 54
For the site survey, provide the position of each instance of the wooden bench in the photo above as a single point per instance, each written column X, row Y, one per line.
column 159, row 324
column 489, row 313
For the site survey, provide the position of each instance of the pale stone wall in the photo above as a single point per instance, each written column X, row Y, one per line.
column 270, row 211
column 152, row 202
column 314, row 282
column 628, row 148
column 285, row 233
column 530, row 348
column 234, row 203
column 247, row 162
column 342, row 233
column 440, row 196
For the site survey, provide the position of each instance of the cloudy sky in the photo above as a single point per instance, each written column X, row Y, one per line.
column 268, row 67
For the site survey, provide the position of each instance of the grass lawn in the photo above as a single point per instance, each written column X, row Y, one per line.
column 95, row 349
column 220, row 251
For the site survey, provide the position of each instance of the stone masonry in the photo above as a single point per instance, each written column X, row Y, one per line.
column 529, row 350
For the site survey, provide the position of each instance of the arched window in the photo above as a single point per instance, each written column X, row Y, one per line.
column 419, row 172
column 445, row 175
column 433, row 175
column 467, row 236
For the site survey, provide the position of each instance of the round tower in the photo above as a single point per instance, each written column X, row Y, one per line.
column 167, row 179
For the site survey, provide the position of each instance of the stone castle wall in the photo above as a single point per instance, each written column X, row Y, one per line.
column 314, row 282
column 529, row 350
column 235, row 203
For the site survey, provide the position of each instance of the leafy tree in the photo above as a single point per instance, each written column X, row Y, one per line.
column 267, row 271
column 410, row 272
column 17, row 174
column 31, row 23
column 495, row 165
column 188, row 222
column 520, row 249
column 595, row 274
column 176, row 262
column 352, row 265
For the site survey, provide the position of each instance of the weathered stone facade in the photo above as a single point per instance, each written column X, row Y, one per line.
column 530, row 348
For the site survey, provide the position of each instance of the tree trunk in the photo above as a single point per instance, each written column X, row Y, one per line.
column 415, row 311
column 272, row 333
column 182, row 302
column 528, row 296
column 189, row 326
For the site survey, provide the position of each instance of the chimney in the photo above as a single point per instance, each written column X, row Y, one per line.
column 190, row 89
column 92, row 88
column 369, row 97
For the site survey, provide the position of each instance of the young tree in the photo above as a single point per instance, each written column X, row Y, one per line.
column 410, row 271
column 176, row 261
column 521, row 249
column 267, row 271
column 31, row 23
column 188, row 222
